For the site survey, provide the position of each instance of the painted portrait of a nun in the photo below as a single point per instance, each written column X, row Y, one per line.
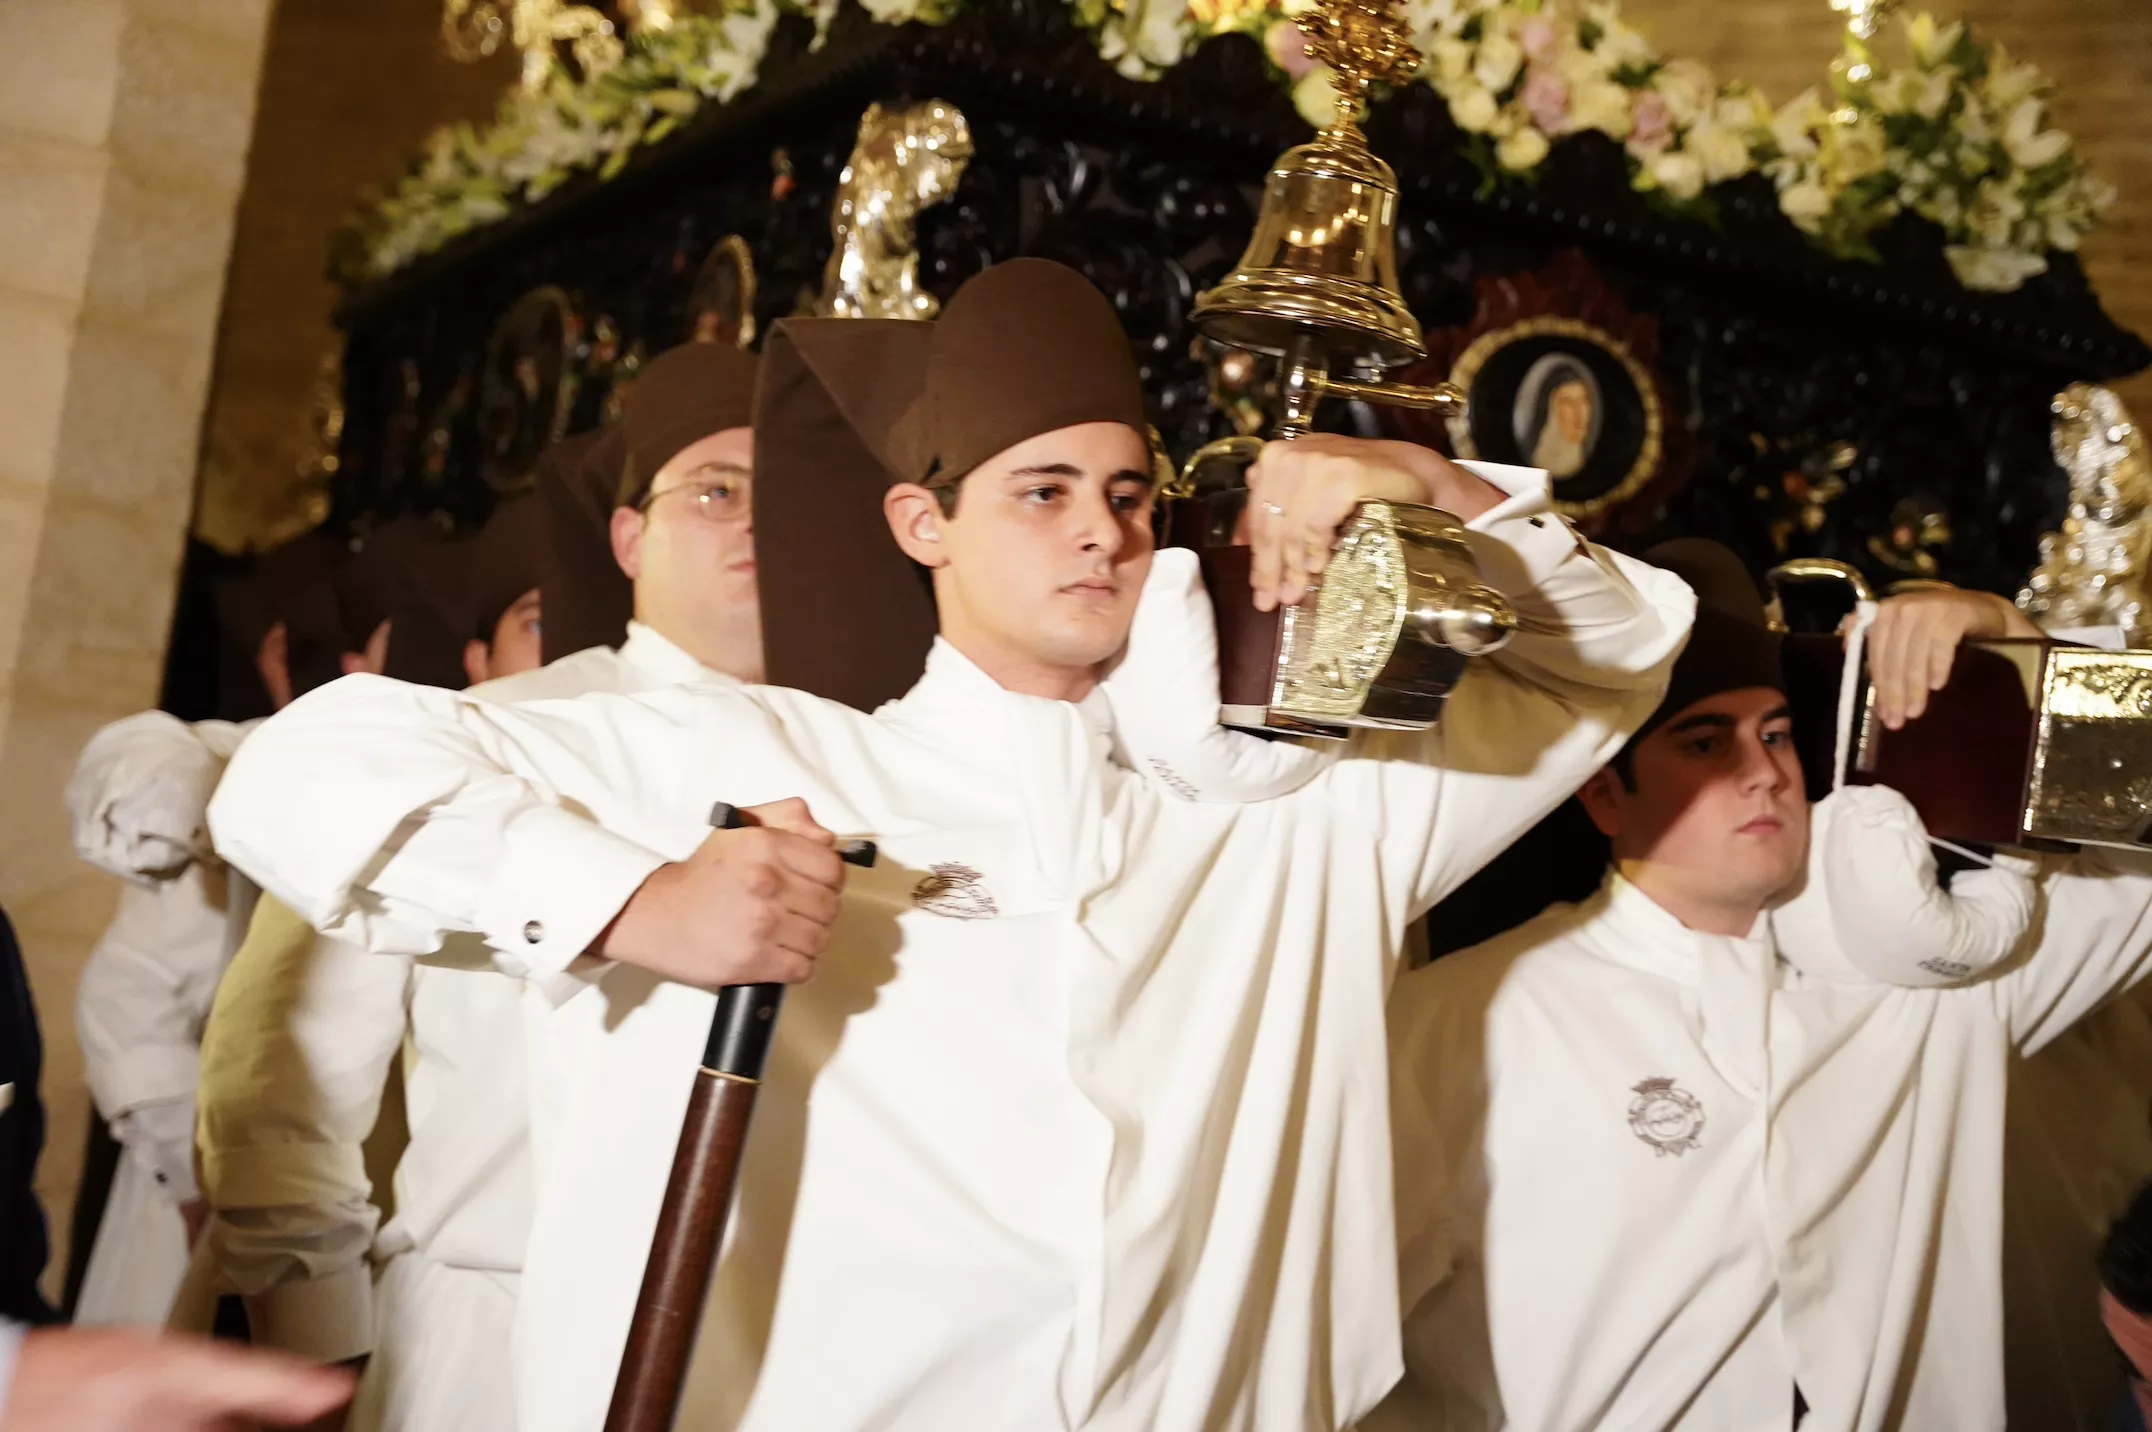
column 1558, row 415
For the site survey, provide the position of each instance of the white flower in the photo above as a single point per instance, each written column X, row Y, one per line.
column 2063, row 234
column 1450, row 58
column 1316, row 97
column 1618, row 44
column 1930, row 44
column 1995, row 208
column 1742, row 108
column 1522, row 150
column 1580, row 66
column 1794, row 127
column 1473, row 109
column 1723, row 151
column 1678, row 173
column 1499, row 59
column 1687, row 87
column 1806, row 204
column 2027, row 143
column 1141, row 42
column 1437, row 17
column 1994, row 270
column 1935, row 94
column 1896, row 93
column 1602, row 105
column 2007, row 84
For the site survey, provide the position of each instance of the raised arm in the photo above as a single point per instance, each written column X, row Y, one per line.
column 2090, row 940
column 1596, row 637
column 139, row 791
column 388, row 815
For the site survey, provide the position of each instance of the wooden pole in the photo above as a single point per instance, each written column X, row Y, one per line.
column 698, row 1196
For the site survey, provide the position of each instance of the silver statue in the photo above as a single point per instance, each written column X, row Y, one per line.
column 2092, row 573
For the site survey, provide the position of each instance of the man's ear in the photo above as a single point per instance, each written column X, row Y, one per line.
column 475, row 661
column 627, row 534
column 273, row 661
column 374, row 659
column 915, row 520
column 1601, row 799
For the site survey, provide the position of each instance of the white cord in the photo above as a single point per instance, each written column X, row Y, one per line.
column 1849, row 686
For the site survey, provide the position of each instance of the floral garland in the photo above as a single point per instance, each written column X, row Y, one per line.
column 1958, row 138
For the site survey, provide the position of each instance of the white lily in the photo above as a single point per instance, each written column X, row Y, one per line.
column 2029, row 145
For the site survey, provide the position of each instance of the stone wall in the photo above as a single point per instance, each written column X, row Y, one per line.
column 123, row 142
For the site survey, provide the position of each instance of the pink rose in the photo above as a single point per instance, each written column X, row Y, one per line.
column 1651, row 125
column 1546, row 99
column 1538, row 38
column 1288, row 49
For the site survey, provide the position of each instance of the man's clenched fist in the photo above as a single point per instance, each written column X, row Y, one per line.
column 751, row 906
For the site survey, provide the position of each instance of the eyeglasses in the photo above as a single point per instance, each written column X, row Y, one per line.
column 722, row 499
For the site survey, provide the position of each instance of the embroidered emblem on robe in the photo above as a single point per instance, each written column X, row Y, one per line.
column 1666, row 1117
column 954, row 891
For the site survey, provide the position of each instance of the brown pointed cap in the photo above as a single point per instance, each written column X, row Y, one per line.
column 587, row 599
column 845, row 614
column 251, row 602
column 1732, row 646
column 684, row 395
column 850, row 406
column 378, row 577
column 429, row 619
column 507, row 559
column 1025, row 348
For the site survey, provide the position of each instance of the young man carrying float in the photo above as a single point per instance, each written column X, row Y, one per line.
column 307, row 1028
column 1078, row 1122
column 1667, row 1160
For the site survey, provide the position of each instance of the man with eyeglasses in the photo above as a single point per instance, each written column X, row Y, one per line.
column 307, row 1029
column 680, row 526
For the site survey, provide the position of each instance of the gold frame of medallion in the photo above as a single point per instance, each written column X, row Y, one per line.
column 1484, row 347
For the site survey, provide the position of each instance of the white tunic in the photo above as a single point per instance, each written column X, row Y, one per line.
column 1081, row 1123
column 1654, row 1178
column 304, row 1038
column 136, row 803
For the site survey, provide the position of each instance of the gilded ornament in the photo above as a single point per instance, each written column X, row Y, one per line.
column 473, row 30
column 904, row 161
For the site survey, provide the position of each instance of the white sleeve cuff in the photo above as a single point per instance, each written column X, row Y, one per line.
column 147, row 1077
column 560, row 882
column 328, row 1319
column 10, row 1350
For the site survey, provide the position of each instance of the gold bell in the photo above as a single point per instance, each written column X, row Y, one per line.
column 1388, row 627
column 1321, row 265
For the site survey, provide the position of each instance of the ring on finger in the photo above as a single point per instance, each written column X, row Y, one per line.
column 1273, row 509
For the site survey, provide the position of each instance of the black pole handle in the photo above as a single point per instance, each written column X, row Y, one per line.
column 746, row 1016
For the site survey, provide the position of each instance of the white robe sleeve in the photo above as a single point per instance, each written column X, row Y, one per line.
column 145, row 992
column 387, row 814
column 294, row 1062
column 1596, row 638
column 1871, row 907
column 137, row 799
column 2090, row 940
